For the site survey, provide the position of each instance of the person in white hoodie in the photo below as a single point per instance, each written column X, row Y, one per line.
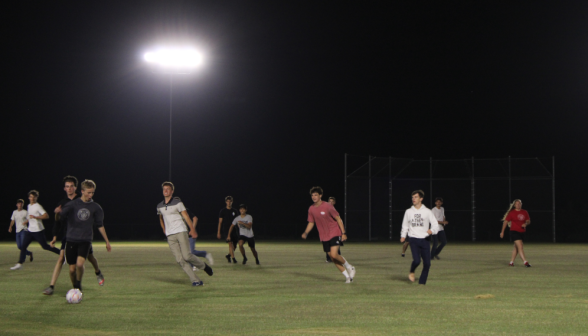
column 419, row 222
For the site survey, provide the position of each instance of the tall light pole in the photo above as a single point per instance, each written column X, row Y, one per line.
column 173, row 61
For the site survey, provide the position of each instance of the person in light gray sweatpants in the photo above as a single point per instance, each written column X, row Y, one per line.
column 179, row 244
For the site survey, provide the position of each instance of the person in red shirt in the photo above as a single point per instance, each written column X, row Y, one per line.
column 518, row 220
column 331, row 231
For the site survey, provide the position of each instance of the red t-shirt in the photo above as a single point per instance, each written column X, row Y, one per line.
column 324, row 218
column 517, row 219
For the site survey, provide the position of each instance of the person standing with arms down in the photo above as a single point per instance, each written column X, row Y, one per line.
column 225, row 221
column 331, row 231
column 36, row 229
column 60, row 229
column 81, row 215
column 519, row 220
column 416, row 225
column 439, row 213
column 19, row 217
column 245, row 223
column 172, row 214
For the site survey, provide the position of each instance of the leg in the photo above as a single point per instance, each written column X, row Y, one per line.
column 79, row 271
column 338, row 260
column 57, row 268
column 19, row 241
column 179, row 245
column 40, row 238
column 443, row 239
column 28, row 238
column 72, row 274
column 519, row 247
column 71, row 255
column 231, row 250
column 201, row 254
column 426, row 255
column 94, row 262
column 514, row 253
column 434, row 248
column 416, row 256
column 241, row 249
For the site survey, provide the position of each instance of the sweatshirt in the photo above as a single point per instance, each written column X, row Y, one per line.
column 417, row 222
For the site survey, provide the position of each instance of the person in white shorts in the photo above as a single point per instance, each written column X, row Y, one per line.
column 245, row 223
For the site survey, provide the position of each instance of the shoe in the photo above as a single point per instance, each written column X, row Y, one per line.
column 411, row 277
column 16, row 267
column 328, row 261
column 197, row 283
column 437, row 257
column 209, row 258
column 244, row 260
column 348, row 280
column 351, row 271
column 208, row 270
column 403, row 255
column 527, row 264
column 228, row 256
column 256, row 261
column 234, row 261
column 511, row 264
column 100, row 279
column 31, row 257
column 48, row 291
column 195, row 269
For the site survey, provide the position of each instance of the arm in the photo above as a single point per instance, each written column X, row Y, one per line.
column 230, row 230
column 342, row 227
column 308, row 229
column 404, row 230
column 195, row 221
column 503, row 227
column 103, row 233
column 11, row 225
column 162, row 223
column 189, row 222
column 218, row 235
column 445, row 222
column 527, row 222
column 434, row 224
column 43, row 216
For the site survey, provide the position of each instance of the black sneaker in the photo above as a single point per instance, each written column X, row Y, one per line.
column 527, row 264
column 31, row 257
column 208, row 270
column 437, row 257
column 48, row 291
column 228, row 256
column 257, row 261
column 244, row 260
column 234, row 261
column 403, row 255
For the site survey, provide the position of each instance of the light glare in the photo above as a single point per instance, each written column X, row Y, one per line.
column 177, row 58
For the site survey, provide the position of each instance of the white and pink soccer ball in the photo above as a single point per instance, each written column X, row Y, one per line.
column 74, row 296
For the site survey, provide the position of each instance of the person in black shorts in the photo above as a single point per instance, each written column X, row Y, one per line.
column 518, row 220
column 245, row 223
column 332, row 201
column 82, row 214
column 226, row 216
column 60, row 228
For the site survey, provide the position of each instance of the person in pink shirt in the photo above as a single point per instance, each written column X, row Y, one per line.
column 518, row 220
column 331, row 231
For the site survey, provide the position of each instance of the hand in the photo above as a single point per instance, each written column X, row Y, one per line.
column 304, row 235
column 430, row 232
column 108, row 248
column 10, row 229
column 501, row 234
column 52, row 243
column 344, row 237
column 193, row 234
column 58, row 209
column 218, row 236
column 402, row 240
column 446, row 222
column 524, row 225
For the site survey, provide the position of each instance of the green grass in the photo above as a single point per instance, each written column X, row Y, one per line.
column 294, row 292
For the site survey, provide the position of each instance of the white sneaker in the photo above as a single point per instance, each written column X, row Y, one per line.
column 195, row 269
column 209, row 258
column 351, row 271
column 16, row 267
column 348, row 280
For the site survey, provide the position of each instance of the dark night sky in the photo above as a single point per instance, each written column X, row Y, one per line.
column 286, row 89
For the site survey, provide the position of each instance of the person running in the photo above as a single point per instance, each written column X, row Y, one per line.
column 81, row 215
column 332, row 201
column 416, row 225
column 226, row 217
column 36, row 230
column 60, row 229
column 19, row 217
column 202, row 254
column 518, row 220
column 439, row 213
column 331, row 231
column 245, row 222
column 172, row 215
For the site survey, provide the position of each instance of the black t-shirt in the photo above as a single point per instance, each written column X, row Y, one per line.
column 227, row 215
column 60, row 227
column 191, row 215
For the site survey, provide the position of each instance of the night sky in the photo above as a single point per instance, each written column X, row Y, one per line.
column 285, row 90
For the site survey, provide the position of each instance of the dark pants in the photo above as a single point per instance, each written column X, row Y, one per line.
column 40, row 238
column 19, row 239
column 420, row 248
column 440, row 236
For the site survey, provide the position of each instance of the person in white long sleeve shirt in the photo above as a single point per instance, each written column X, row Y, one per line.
column 419, row 222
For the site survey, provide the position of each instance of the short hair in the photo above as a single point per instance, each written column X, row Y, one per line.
column 88, row 184
column 20, row 201
column 34, row 193
column 242, row 206
column 72, row 179
column 439, row 199
column 316, row 189
column 229, row 198
column 420, row 192
column 332, row 198
column 169, row 184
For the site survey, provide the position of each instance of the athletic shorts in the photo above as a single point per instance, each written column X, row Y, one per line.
column 64, row 240
column 516, row 235
column 234, row 236
column 335, row 241
column 250, row 241
column 75, row 250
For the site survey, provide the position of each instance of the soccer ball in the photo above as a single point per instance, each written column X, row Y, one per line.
column 74, row 296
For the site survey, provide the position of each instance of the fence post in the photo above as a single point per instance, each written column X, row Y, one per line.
column 370, row 197
column 553, row 192
column 390, row 193
column 509, row 182
column 473, row 203
column 430, row 183
column 345, row 194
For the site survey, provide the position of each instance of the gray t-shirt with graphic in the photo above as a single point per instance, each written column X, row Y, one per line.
column 81, row 218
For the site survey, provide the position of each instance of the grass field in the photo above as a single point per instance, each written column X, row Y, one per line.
column 294, row 292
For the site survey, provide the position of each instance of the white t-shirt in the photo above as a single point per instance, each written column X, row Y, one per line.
column 19, row 217
column 36, row 225
column 440, row 216
column 172, row 216
column 244, row 231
